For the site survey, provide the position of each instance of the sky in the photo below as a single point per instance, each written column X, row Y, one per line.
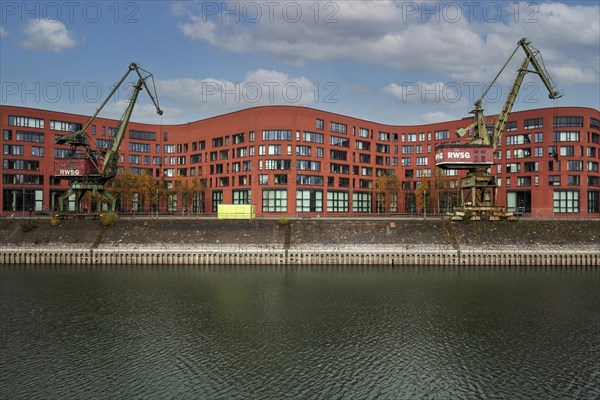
column 393, row 62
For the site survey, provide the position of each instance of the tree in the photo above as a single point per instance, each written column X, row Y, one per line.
column 423, row 195
column 386, row 191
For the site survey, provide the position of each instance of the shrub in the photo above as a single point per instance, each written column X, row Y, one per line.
column 283, row 221
column 55, row 221
column 109, row 218
column 28, row 226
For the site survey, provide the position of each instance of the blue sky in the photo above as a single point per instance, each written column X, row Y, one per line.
column 395, row 62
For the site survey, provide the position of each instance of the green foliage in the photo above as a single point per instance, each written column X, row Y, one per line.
column 28, row 226
column 108, row 218
column 283, row 221
column 468, row 215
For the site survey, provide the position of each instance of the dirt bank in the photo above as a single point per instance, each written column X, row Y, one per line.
column 305, row 233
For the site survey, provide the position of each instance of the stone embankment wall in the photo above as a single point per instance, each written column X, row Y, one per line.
column 364, row 242
column 138, row 256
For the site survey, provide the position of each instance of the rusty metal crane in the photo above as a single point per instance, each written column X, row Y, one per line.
column 479, row 188
column 89, row 166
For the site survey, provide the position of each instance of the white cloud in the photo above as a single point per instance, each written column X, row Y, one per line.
column 406, row 35
column 446, row 94
column 3, row 32
column 142, row 112
column 436, row 116
column 260, row 87
column 47, row 35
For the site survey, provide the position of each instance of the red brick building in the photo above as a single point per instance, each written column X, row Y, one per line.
column 295, row 161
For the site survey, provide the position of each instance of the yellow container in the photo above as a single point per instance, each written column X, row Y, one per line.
column 236, row 211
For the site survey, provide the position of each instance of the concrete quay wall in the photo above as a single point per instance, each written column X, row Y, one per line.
column 279, row 256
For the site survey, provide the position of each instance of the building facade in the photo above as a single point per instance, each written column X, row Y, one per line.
column 296, row 161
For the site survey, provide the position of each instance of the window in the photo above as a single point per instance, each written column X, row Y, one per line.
column 421, row 161
column 312, row 137
column 531, row 166
column 361, row 202
column 411, row 137
column 339, row 168
column 312, row 180
column 524, row 181
column 594, row 123
column 319, row 124
column 217, row 198
column 539, row 137
column 337, row 127
column 568, row 121
column 592, row 166
column 517, row 139
column 337, row 202
column 554, row 180
column 7, row 134
column 574, row 165
column 382, row 148
column 573, row 180
column 135, row 159
column 274, row 200
column 27, row 165
column 408, row 149
column 593, row 201
column 511, row 126
column 37, row 151
column 320, row 152
column 303, row 151
column 141, row 135
column 338, row 155
column 169, row 148
column 406, row 161
column 241, row 197
column 67, row 126
column 363, row 132
column 522, row 153
column 139, row 147
column 277, row 134
column 24, row 136
column 309, row 201
column 238, row 139
column 539, row 151
column 364, row 158
column 567, row 151
column 263, row 179
column 566, row 201
column 278, row 164
column 339, row 141
column 362, row 145
column 307, row 165
column 439, row 135
column 534, row 123
column 384, row 136
column 26, row 122
column 513, row 167
column 274, row 149
column 566, row 136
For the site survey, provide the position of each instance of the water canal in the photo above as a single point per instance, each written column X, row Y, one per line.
column 299, row 332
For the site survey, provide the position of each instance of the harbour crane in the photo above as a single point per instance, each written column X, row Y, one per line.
column 478, row 190
column 89, row 166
